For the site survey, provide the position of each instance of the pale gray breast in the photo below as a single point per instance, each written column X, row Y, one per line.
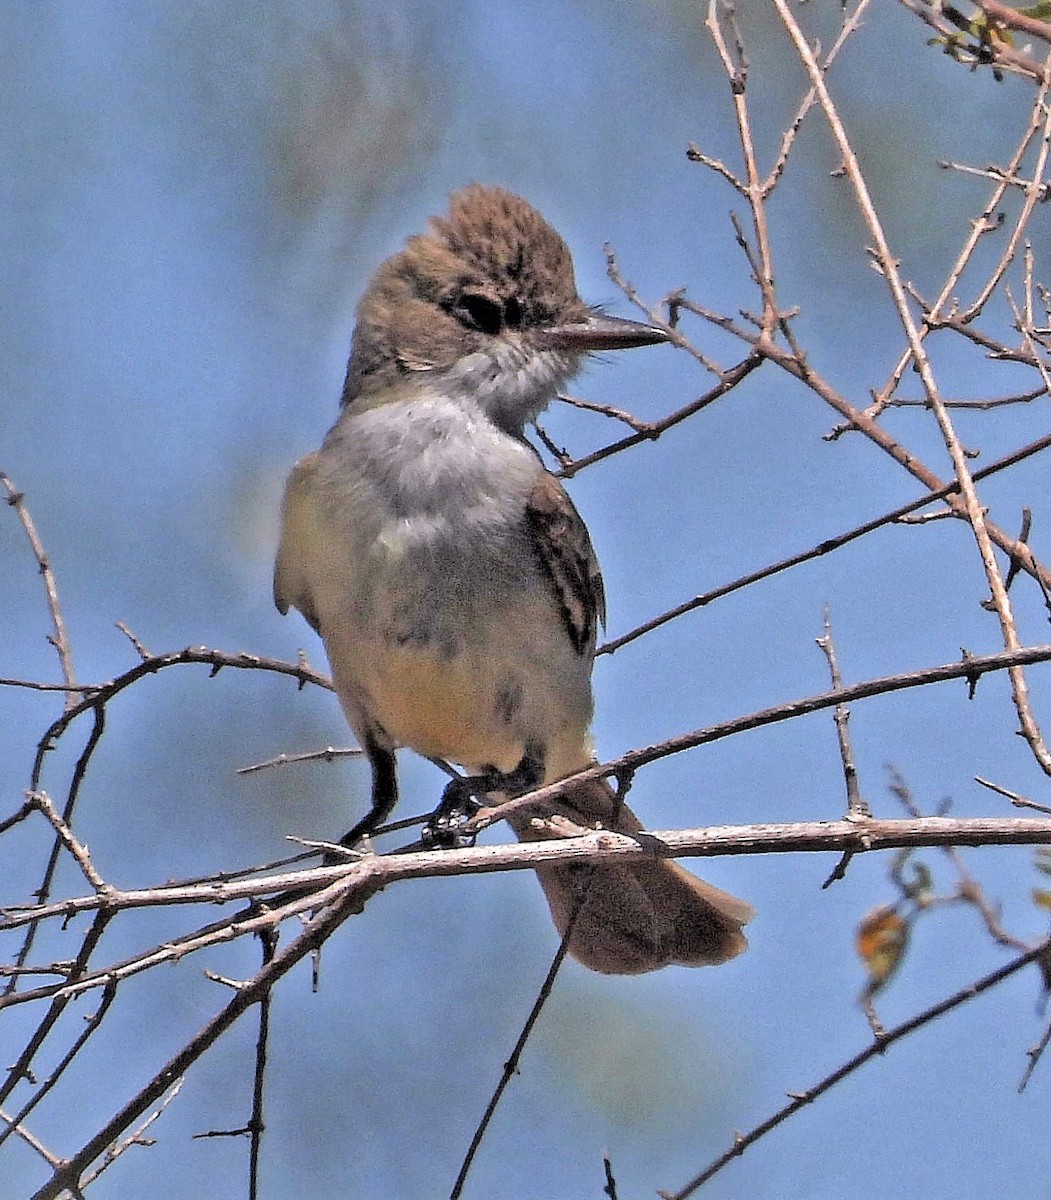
column 433, row 496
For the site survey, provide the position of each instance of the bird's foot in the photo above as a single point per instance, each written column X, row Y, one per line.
column 465, row 795
column 460, row 801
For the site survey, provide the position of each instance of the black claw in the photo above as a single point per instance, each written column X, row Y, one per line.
column 464, row 796
column 458, row 804
column 441, row 833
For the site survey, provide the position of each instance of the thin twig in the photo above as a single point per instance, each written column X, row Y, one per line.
column 1034, row 1054
column 606, row 410
column 79, row 772
column 511, row 1066
column 856, row 806
column 77, row 975
column 1017, row 800
column 256, row 1124
column 825, row 546
column 109, row 994
column 875, row 1049
column 336, row 904
column 30, row 1140
column 329, row 754
column 137, row 1137
column 976, row 405
column 855, row 417
column 41, row 801
column 971, row 667
column 982, row 225
column 60, row 640
column 610, row 1188
column 735, row 64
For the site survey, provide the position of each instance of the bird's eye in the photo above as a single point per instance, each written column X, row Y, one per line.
column 479, row 312
column 513, row 312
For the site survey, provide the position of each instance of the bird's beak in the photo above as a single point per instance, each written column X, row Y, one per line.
column 598, row 332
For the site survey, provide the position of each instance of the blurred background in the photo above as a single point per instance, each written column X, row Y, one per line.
column 193, row 198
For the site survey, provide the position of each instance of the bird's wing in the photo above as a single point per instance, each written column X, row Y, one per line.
column 563, row 547
column 298, row 537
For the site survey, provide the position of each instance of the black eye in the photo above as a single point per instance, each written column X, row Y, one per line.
column 479, row 312
column 513, row 312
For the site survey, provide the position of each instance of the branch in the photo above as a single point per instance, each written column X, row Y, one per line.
column 336, row 906
column 1011, row 18
column 968, row 499
column 825, row 546
column 878, row 1047
column 60, row 641
column 858, row 834
column 971, row 667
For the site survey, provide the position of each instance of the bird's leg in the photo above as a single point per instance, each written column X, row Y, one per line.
column 384, row 792
column 464, row 796
column 384, row 798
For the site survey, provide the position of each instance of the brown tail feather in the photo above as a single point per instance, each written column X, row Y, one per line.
column 633, row 918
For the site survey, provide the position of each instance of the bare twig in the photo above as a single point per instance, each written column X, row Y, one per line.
column 875, row 1049
column 1034, row 1054
column 1017, row 800
column 137, row 1137
column 30, row 1139
column 859, row 835
column 823, row 547
column 511, row 1066
column 971, row 667
column 109, row 993
column 335, row 904
column 856, row 806
column 329, row 754
column 78, row 974
column 610, row 1188
column 727, row 382
column 41, row 801
column 60, row 640
column 256, row 1123
column 606, row 410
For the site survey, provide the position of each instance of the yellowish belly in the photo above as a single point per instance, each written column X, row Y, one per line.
column 444, row 707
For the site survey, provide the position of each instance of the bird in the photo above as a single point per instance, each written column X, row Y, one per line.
column 453, row 582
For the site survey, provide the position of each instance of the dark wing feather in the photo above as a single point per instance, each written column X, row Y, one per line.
column 299, row 540
column 564, row 550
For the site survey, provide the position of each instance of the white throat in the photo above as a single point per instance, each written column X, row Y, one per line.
column 512, row 383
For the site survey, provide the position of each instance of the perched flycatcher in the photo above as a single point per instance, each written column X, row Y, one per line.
column 449, row 575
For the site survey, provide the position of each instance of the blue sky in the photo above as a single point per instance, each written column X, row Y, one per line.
column 195, row 196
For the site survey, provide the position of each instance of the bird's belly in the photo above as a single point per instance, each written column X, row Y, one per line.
column 505, row 681
column 447, row 706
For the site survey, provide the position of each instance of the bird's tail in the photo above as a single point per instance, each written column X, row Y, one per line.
column 636, row 917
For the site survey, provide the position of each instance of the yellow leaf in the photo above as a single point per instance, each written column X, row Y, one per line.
column 881, row 940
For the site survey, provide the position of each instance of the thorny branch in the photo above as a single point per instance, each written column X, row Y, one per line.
column 60, row 640
column 971, row 506
column 876, row 1048
column 324, row 897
